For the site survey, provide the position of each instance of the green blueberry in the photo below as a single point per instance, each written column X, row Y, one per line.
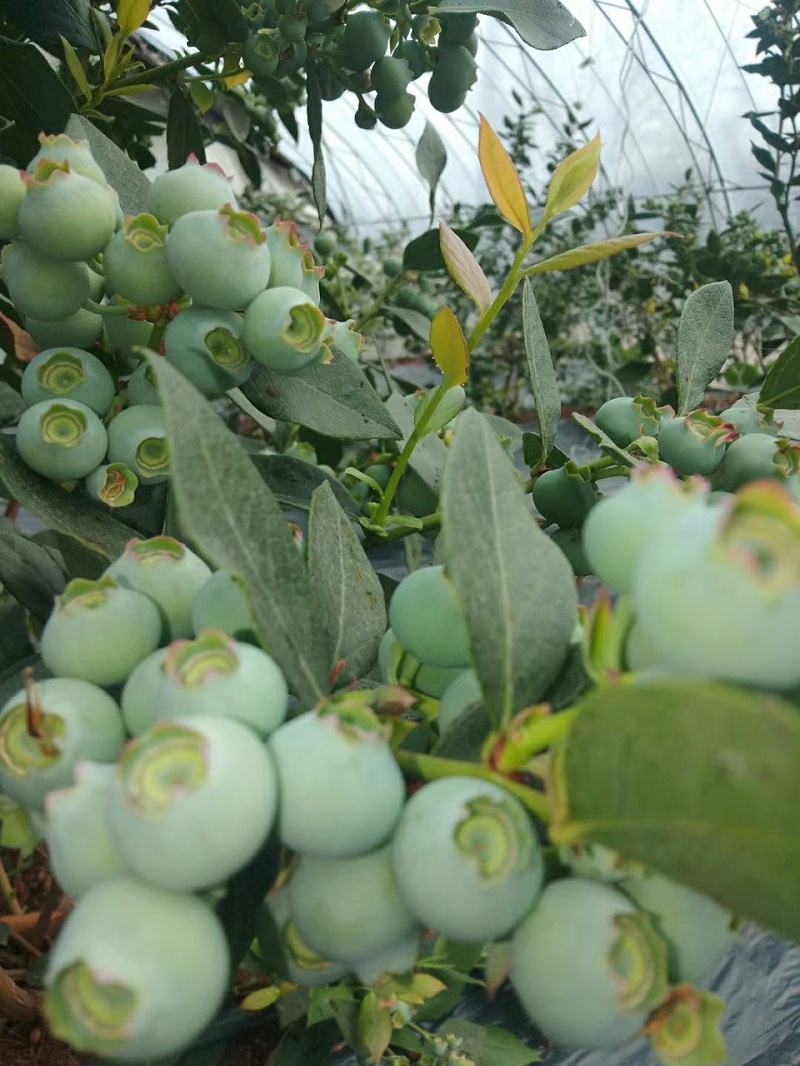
column 413, row 53
column 214, row 674
column 427, row 619
column 136, row 972
column 113, row 484
column 80, row 849
column 394, row 112
column 570, row 541
column 625, row 418
column 126, row 333
column 191, row 187
column 392, row 266
column 166, row 571
column 173, row 814
column 261, row 51
column 99, row 631
column 291, row 260
column 341, row 789
column 138, row 699
column 462, row 692
column 455, row 67
column 717, row 594
column 135, row 263
column 695, row 444
column 698, row 931
column 208, row 349
column 397, row 959
column 455, row 876
column 138, row 438
column 59, row 148
column 223, row 603
column 563, row 497
column 751, row 418
column 756, row 456
column 619, row 527
column 398, row 667
column 581, row 967
column 284, row 329
column 457, row 28
column 349, row 909
column 325, row 244
column 365, row 39
column 66, row 216
column 66, row 372
column 12, row 193
column 141, row 387
column 80, row 330
column 40, row 287
column 47, row 729
column 220, row 258
column 61, row 439
column 390, row 76
column 283, row 950
column 17, row 828
column 345, row 340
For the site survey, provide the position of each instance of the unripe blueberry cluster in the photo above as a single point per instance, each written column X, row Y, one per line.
column 205, row 283
column 381, row 49
column 158, row 762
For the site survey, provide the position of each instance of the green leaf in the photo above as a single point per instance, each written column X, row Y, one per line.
column 300, row 1046
column 11, row 404
column 465, row 738
column 292, row 482
column 47, row 21
column 58, row 509
column 571, row 179
column 419, row 324
column 607, row 445
column 76, row 68
column 705, row 334
column 533, row 453
column 428, row 457
column 347, row 591
column 424, row 253
column 449, row 348
column 236, row 522
column 78, row 560
column 314, row 115
column 489, row 1045
column 119, row 169
column 16, row 650
column 34, row 99
column 32, row 573
column 781, row 387
column 515, row 586
column 244, row 896
column 431, row 156
column 237, row 118
column 213, row 22
column 591, row 253
column 184, row 133
column 334, row 399
column 546, row 393
column 374, row 1026
column 698, row 780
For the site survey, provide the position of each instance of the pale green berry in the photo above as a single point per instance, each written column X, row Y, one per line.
column 207, row 347
column 136, row 972
column 59, row 148
column 137, row 437
column 458, row 697
column 68, row 373
column 64, row 215
column 192, row 187
column 40, row 287
column 283, row 950
column 100, row 631
column 80, row 330
column 12, row 193
column 135, row 263
column 168, row 572
column 113, row 484
column 138, row 699
column 80, row 848
column 174, row 815
column 223, row 603
column 126, row 333
column 426, row 617
column 47, row 729
column 284, row 329
column 291, row 258
column 142, row 387
column 61, row 439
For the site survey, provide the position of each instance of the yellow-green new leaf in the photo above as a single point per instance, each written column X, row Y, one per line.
column 449, row 347
column 571, row 180
column 591, row 253
column 464, row 268
column 131, row 14
column 502, row 180
column 75, row 68
column 262, row 998
column 374, row 1026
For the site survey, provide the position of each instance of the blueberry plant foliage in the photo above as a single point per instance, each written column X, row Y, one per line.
column 276, row 784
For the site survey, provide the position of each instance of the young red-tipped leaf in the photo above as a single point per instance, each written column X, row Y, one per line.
column 502, row 180
column 572, row 179
column 464, row 268
column 449, row 347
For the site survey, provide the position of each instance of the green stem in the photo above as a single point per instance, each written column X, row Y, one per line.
column 504, row 295
column 432, row 767
column 163, row 72
column 105, row 309
column 157, row 336
column 418, row 433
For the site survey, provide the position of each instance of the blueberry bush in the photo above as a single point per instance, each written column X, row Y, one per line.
column 277, row 787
